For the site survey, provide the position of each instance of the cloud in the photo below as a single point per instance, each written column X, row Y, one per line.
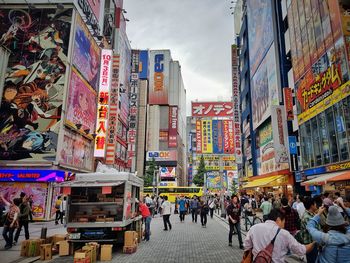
column 199, row 34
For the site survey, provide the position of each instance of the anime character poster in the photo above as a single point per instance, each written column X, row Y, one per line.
column 77, row 151
column 82, row 104
column 32, row 100
column 86, row 54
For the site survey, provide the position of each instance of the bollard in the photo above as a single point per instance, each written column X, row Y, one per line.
column 43, row 233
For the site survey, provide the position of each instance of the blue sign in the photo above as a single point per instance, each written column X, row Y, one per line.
column 143, row 64
column 293, row 145
column 218, row 137
column 31, row 176
column 298, row 177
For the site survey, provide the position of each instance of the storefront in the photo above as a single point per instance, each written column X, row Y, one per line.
column 38, row 183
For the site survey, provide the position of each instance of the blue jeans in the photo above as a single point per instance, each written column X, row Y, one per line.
column 238, row 230
column 7, row 233
column 148, row 227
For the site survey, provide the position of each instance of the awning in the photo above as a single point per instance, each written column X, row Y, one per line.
column 323, row 179
column 342, row 177
column 88, row 184
column 263, row 182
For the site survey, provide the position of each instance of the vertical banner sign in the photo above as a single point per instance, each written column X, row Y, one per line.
column 199, row 136
column 102, row 106
column 113, row 112
column 236, row 106
column 231, row 137
column 226, row 137
column 288, row 103
column 173, row 115
column 280, row 139
column 218, row 139
column 133, row 100
column 207, row 138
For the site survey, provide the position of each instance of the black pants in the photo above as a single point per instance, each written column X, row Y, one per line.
column 211, row 212
column 25, row 224
column 194, row 215
column 58, row 216
column 7, row 233
column 166, row 221
column 62, row 216
column 182, row 215
column 204, row 219
column 238, row 230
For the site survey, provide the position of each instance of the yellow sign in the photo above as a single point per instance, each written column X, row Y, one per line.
column 337, row 167
column 336, row 96
column 212, row 167
column 228, row 158
column 207, row 137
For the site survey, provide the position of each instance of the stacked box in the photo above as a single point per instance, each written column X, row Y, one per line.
column 31, row 247
column 46, row 252
column 106, row 252
column 130, row 238
column 129, row 250
column 81, row 256
column 96, row 250
column 63, row 248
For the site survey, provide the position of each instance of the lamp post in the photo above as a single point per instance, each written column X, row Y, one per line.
column 222, row 196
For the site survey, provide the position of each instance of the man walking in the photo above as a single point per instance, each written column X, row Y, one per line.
column 204, row 209
column 194, row 208
column 211, row 204
column 182, row 208
column 166, row 210
column 23, row 219
column 266, row 208
column 233, row 211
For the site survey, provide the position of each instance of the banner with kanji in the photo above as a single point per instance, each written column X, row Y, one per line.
column 212, row 109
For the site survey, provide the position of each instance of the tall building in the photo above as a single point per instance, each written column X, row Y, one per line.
column 166, row 118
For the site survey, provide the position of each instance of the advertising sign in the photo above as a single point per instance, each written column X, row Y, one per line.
column 86, row 54
column 173, row 122
column 334, row 13
column 345, row 18
column 199, row 136
column 212, row 109
column 81, row 106
column 31, row 176
column 293, row 149
column 113, row 112
column 214, row 180
column 271, row 65
column 228, row 136
column 163, row 135
column 162, row 155
column 265, row 134
column 280, row 137
column 260, row 33
column 218, row 137
column 32, row 98
column 288, row 103
column 95, row 6
column 77, row 151
column 236, row 104
column 167, row 172
column 103, row 101
column 260, row 96
column 143, row 64
column 159, row 76
column 207, row 138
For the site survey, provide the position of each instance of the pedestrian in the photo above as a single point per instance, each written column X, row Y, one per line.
column 337, row 200
column 260, row 236
column 182, row 208
column 292, row 224
column 254, row 203
column 327, row 200
column 217, row 203
column 63, row 208
column 211, row 204
column 204, row 209
column 277, row 203
column 11, row 221
column 266, row 207
column 194, row 208
column 22, row 195
column 303, row 236
column 176, row 210
column 166, row 210
column 336, row 238
column 300, row 206
column 159, row 203
column 30, row 201
column 234, row 211
column 23, row 219
column 147, row 217
column 58, row 209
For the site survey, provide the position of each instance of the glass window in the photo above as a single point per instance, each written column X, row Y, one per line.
column 316, row 142
column 308, row 143
column 346, row 104
column 324, row 137
column 341, row 131
column 332, row 135
column 305, row 159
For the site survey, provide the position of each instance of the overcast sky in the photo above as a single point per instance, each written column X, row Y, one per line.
column 199, row 34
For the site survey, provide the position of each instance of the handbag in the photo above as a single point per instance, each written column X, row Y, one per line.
column 247, row 256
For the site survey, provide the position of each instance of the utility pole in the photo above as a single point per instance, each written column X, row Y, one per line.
column 222, row 196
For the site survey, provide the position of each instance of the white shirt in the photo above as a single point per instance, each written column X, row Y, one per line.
column 166, row 208
column 301, row 209
column 339, row 201
column 63, row 206
column 260, row 235
column 148, row 200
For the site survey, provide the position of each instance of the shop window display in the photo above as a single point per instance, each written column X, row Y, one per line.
column 316, row 142
column 332, row 135
column 341, row 132
column 324, row 138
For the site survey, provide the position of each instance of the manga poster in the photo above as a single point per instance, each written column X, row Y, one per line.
column 86, row 54
column 32, row 100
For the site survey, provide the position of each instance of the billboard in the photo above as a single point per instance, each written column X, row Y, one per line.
column 32, row 175
column 288, row 103
column 81, row 106
column 162, row 155
column 207, row 138
column 218, row 137
column 143, row 64
column 76, row 151
column 228, row 136
column 212, row 109
column 32, row 98
column 86, row 54
column 213, row 181
column 260, row 31
column 199, row 136
column 159, row 76
column 103, row 101
column 167, row 172
column 173, row 122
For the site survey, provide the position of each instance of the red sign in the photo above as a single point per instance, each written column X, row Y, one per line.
column 212, row 109
column 229, row 145
column 172, row 141
column 288, row 103
column 199, row 136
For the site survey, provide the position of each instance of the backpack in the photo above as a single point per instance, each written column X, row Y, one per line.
column 265, row 255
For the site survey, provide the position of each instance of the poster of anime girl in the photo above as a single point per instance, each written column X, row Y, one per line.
column 32, row 99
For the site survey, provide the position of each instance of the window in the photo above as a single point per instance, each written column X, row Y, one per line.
column 332, row 135
column 324, row 137
column 305, row 161
column 346, row 103
column 308, row 143
column 341, row 131
column 316, row 142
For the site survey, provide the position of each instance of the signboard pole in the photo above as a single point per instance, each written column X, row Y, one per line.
column 222, row 197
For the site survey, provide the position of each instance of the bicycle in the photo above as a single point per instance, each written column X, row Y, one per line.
column 251, row 219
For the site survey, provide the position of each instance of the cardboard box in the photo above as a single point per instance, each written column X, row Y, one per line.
column 81, row 256
column 31, row 247
column 129, row 250
column 106, row 252
column 130, row 238
column 24, row 248
column 57, row 238
column 63, row 248
column 96, row 250
column 46, row 252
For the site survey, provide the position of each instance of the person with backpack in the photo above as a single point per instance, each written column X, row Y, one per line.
column 204, row 209
column 23, row 219
column 11, row 221
column 335, row 240
column 269, row 242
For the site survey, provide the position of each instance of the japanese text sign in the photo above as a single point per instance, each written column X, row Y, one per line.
column 212, row 109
